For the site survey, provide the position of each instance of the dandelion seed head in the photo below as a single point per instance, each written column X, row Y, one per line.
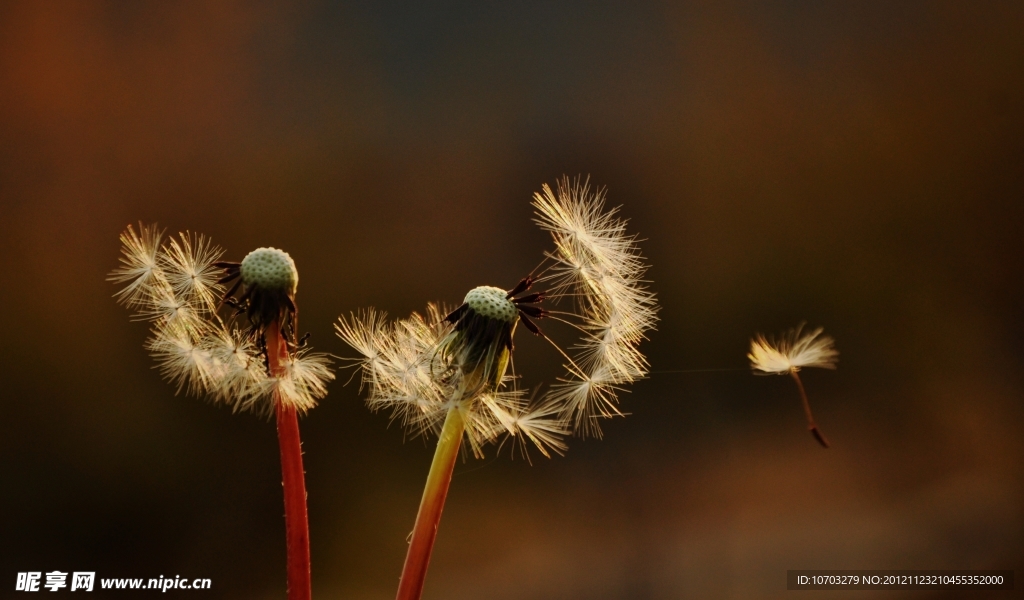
column 423, row 368
column 177, row 286
column 269, row 281
column 793, row 351
column 270, row 269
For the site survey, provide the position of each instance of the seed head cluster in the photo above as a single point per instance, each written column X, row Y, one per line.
column 426, row 365
column 175, row 284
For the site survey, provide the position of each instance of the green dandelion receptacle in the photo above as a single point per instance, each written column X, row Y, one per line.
column 270, row 269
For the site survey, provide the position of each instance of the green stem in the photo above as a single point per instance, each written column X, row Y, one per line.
column 414, row 573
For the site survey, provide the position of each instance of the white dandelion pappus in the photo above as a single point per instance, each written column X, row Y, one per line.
column 304, row 380
column 792, row 352
column 138, row 264
column 162, row 306
column 541, row 425
column 181, row 360
column 242, row 371
column 396, row 365
column 600, row 266
column 189, row 266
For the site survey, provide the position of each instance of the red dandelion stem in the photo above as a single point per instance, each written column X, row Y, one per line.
column 812, row 426
column 292, row 475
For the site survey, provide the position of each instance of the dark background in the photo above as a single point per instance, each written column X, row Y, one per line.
column 855, row 165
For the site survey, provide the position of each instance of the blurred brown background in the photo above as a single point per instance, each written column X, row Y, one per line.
column 856, row 165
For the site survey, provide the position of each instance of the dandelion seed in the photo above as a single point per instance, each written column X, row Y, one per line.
column 791, row 353
column 244, row 376
column 587, row 398
column 541, row 425
column 181, row 361
column 302, row 380
column 446, row 373
column 138, row 264
column 167, row 309
column 189, row 265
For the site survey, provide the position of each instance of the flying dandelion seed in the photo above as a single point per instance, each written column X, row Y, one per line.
column 177, row 284
column 791, row 353
column 444, row 373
